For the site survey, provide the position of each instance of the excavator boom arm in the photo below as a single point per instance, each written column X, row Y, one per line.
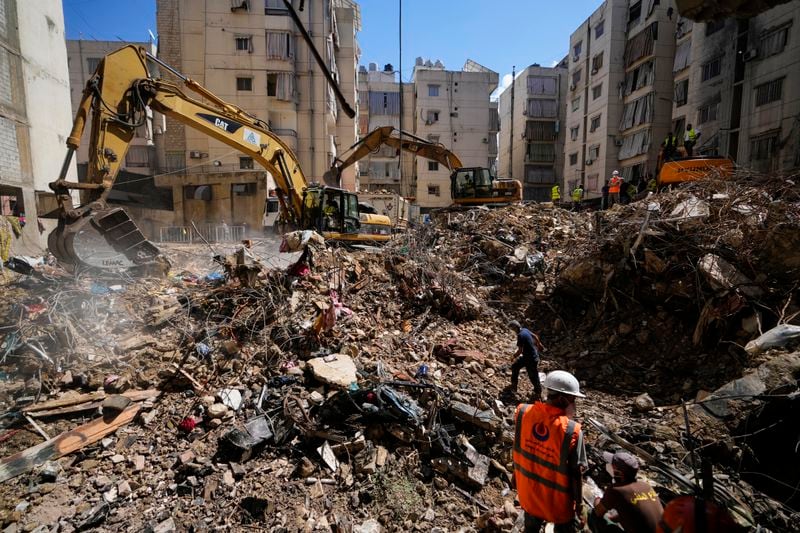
column 399, row 140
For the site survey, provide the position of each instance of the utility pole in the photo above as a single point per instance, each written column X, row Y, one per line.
column 511, row 119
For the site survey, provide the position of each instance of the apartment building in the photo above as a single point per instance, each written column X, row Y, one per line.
column 736, row 83
column 35, row 116
column 532, row 140
column 453, row 108
column 83, row 57
column 379, row 105
column 250, row 53
column 621, row 64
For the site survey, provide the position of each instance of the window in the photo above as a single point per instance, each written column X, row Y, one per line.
column 707, row 113
column 540, row 130
column 682, row 56
column 540, row 174
column 593, row 153
column 197, row 192
column 280, row 45
column 712, row 69
column 773, row 41
column 275, row 7
column 540, row 108
column 433, row 90
column 576, row 103
column 433, row 138
column 641, row 45
column 433, row 166
column 244, row 189
column 597, row 91
column 433, row 116
column 138, row 157
column 637, row 112
column 769, row 92
column 573, row 159
column 246, row 163
column 634, row 14
column 573, row 132
column 764, row 146
column 244, row 43
column 542, row 85
column 641, row 76
column 240, row 4
column 576, row 77
column 92, row 63
column 597, row 62
column 681, row 92
column 599, row 29
column 714, row 26
column 280, row 85
column 540, row 152
column 433, row 190
column 576, row 50
column 244, row 84
column 595, row 123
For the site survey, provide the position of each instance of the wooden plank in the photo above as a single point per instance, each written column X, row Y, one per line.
column 64, row 444
column 91, row 397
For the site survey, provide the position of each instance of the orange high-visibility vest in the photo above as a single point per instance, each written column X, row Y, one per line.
column 542, row 443
column 613, row 185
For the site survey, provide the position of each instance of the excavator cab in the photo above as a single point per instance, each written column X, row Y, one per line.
column 335, row 214
column 477, row 186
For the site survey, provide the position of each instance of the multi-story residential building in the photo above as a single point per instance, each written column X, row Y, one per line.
column 35, row 116
column 250, row 53
column 736, row 84
column 453, row 108
column 621, row 86
column 83, row 57
column 766, row 130
column 532, row 140
column 379, row 105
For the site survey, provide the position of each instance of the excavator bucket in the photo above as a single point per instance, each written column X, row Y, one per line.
column 104, row 239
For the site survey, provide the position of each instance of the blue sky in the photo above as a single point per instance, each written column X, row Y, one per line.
column 495, row 33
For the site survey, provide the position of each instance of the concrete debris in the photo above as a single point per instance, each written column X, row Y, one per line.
column 360, row 390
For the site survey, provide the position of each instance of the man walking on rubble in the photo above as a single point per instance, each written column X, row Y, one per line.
column 550, row 458
column 629, row 503
column 527, row 355
column 613, row 188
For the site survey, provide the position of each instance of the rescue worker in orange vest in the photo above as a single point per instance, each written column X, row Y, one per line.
column 550, row 458
column 613, row 188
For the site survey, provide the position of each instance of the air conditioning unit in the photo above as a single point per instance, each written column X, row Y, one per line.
column 589, row 161
column 595, row 70
column 524, row 111
column 196, row 155
column 750, row 54
column 617, row 142
column 576, row 58
column 428, row 122
column 485, row 140
column 572, row 87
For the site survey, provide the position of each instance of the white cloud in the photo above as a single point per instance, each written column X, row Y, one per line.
column 553, row 63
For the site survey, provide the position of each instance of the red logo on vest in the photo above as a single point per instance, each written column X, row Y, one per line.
column 541, row 432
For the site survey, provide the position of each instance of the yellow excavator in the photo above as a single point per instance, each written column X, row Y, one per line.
column 96, row 235
column 469, row 186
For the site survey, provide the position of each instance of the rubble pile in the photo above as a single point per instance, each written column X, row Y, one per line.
column 361, row 390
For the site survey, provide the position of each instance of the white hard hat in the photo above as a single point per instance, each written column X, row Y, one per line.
column 563, row 382
column 615, row 173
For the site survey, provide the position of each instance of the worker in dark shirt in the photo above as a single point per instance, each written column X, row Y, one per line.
column 631, row 504
column 526, row 356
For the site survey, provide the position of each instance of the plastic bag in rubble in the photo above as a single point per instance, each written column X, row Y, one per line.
column 535, row 262
column 774, row 338
column 296, row 241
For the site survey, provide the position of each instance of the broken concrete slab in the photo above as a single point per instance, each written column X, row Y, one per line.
column 337, row 370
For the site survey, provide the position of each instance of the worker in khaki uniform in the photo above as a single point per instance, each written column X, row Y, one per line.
column 550, row 458
column 555, row 194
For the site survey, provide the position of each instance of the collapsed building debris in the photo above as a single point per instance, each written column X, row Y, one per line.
column 360, row 390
